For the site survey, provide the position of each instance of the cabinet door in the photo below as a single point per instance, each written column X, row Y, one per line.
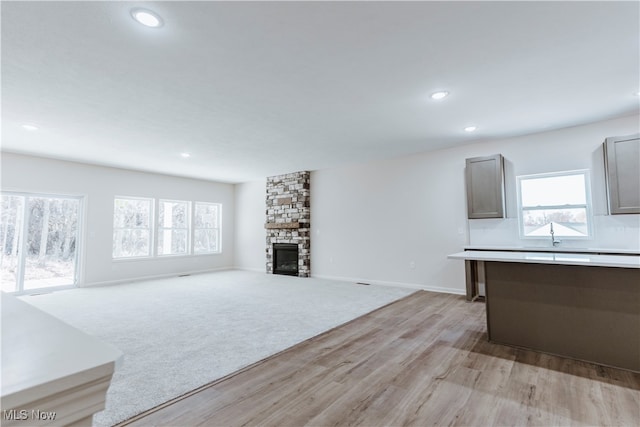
column 622, row 165
column 485, row 187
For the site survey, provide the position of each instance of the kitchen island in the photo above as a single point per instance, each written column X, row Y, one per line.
column 52, row 373
column 580, row 305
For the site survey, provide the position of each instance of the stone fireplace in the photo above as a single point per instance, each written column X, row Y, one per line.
column 288, row 224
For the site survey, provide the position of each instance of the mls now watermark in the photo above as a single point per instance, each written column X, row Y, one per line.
column 24, row 415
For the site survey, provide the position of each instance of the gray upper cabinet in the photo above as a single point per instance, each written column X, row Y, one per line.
column 485, row 187
column 622, row 166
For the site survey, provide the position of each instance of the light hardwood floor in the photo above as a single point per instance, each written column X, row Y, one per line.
column 423, row 360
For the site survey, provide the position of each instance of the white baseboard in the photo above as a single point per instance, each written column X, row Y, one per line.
column 415, row 286
column 152, row 277
column 395, row 284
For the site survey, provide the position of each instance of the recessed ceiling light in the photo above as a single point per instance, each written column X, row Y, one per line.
column 636, row 93
column 30, row 127
column 147, row 17
column 185, row 155
column 439, row 95
column 470, row 128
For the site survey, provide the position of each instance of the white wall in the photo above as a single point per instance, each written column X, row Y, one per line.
column 250, row 232
column 391, row 221
column 395, row 221
column 99, row 185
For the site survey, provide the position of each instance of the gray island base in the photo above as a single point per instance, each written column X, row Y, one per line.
column 586, row 313
column 575, row 309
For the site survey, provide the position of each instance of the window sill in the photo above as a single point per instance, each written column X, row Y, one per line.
column 159, row 257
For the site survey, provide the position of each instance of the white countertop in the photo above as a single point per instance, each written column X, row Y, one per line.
column 559, row 257
column 42, row 356
column 552, row 249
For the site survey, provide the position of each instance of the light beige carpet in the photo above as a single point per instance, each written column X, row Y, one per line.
column 180, row 333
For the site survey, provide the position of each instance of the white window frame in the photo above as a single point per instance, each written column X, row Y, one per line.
column 23, row 232
column 217, row 227
column 587, row 205
column 161, row 229
column 150, row 227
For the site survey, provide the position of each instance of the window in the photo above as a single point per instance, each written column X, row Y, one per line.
column 173, row 227
column 132, row 226
column 183, row 228
column 206, row 235
column 40, row 237
column 557, row 202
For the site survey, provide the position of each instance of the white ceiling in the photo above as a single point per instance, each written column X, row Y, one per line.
column 253, row 89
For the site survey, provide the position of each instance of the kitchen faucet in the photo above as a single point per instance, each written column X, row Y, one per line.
column 554, row 242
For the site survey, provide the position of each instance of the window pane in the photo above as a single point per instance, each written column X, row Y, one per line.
column 566, row 222
column 132, row 213
column 207, row 228
column 172, row 242
column 173, row 214
column 173, row 227
column 132, row 227
column 557, row 202
column 205, row 241
column 51, row 242
column 553, row 190
column 206, row 215
column 130, row 243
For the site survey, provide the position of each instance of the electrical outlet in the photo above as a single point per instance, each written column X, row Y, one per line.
column 412, row 265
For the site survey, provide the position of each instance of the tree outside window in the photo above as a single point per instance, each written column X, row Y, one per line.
column 206, row 236
column 173, row 227
column 132, row 225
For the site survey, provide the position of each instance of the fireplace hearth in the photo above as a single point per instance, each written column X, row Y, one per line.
column 285, row 259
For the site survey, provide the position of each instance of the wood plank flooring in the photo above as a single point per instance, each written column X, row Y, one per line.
column 423, row 360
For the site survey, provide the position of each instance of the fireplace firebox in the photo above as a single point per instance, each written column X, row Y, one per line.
column 285, row 259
